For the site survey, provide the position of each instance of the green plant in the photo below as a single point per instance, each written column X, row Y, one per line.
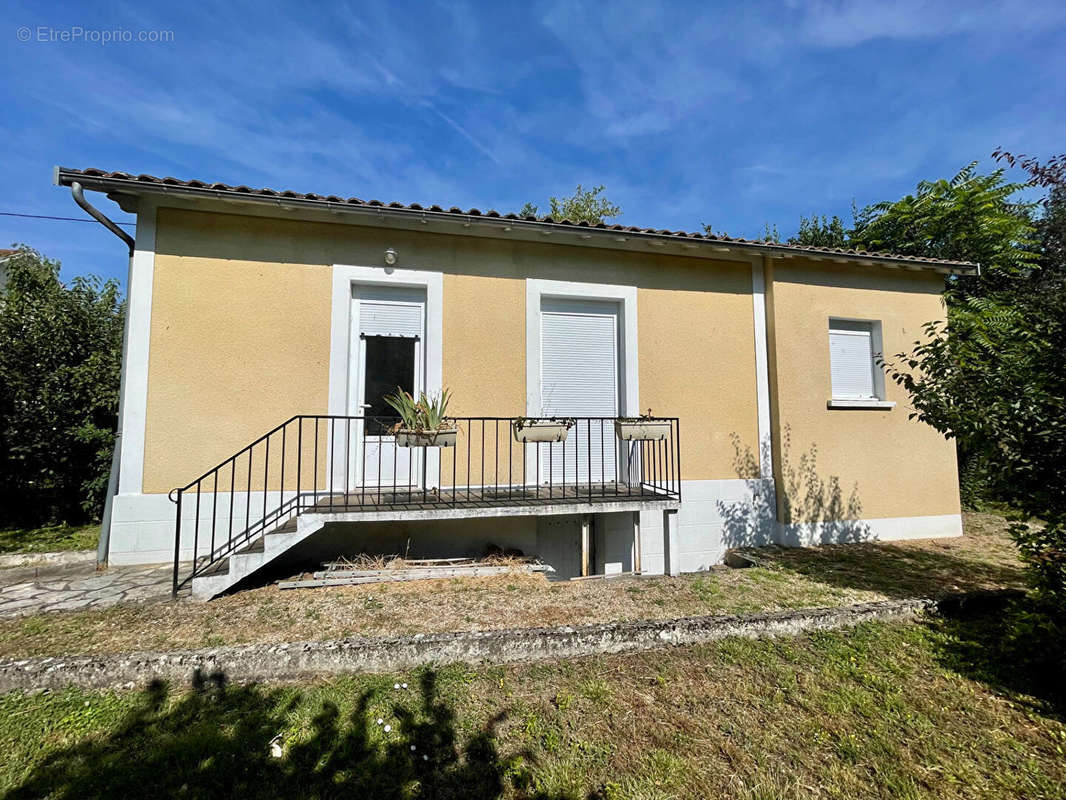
column 60, row 357
column 995, row 380
column 584, row 205
column 521, row 422
column 647, row 417
column 428, row 413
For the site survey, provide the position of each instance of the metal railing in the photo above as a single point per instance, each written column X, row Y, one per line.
column 334, row 464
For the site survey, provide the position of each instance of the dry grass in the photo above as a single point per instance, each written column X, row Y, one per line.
column 839, row 575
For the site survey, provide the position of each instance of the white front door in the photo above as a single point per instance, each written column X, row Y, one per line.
column 388, row 328
column 579, row 378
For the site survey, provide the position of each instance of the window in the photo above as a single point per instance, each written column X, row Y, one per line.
column 853, row 345
column 390, row 365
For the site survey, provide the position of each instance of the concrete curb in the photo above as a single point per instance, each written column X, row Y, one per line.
column 281, row 662
column 47, row 559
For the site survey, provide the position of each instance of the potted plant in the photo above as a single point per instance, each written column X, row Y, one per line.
column 541, row 429
column 644, row 428
column 422, row 422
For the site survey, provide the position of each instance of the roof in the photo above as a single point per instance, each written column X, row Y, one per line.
column 125, row 182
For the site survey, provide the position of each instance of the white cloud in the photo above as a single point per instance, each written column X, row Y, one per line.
column 845, row 23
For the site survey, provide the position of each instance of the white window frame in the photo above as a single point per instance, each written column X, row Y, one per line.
column 878, row 401
column 628, row 357
column 625, row 296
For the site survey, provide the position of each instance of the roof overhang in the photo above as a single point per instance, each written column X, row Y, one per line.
column 128, row 191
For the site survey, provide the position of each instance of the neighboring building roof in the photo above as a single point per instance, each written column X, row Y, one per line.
column 102, row 180
column 4, row 256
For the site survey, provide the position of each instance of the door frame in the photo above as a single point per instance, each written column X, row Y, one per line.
column 629, row 374
column 357, row 376
column 341, row 357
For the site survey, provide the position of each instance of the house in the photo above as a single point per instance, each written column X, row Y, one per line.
column 265, row 327
column 5, row 254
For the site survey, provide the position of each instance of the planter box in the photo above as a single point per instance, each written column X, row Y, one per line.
column 651, row 430
column 541, row 430
column 442, row 438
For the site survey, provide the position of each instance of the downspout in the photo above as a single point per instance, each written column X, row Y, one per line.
column 112, row 481
column 98, row 215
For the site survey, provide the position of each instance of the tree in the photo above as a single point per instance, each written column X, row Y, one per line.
column 584, row 205
column 996, row 380
column 820, row 232
column 971, row 217
column 60, row 359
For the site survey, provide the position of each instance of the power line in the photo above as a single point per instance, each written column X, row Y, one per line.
column 60, row 219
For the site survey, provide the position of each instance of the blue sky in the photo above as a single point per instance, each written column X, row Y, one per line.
column 732, row 114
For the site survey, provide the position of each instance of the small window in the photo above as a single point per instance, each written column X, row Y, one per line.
column 852, row 348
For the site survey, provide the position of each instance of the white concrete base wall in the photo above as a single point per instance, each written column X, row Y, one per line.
column 142, row 525
column 714, row 516
column 885, row 529
column 718, row 515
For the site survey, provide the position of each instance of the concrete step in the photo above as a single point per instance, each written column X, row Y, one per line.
column 252, row 558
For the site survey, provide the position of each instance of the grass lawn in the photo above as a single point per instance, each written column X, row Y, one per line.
column 47, row 540
column 936, row 709
column 791, row 578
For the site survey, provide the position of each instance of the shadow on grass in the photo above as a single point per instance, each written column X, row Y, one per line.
column 216, row 742
column 1018, row 650
column 896, row 571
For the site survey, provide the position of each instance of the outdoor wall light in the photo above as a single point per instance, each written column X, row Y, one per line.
column 391, row 258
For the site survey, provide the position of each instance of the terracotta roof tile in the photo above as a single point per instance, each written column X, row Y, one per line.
column 92, row 172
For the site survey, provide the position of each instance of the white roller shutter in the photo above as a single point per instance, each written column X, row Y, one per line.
column 579, row 378
column 390, row 319
column 851, row 359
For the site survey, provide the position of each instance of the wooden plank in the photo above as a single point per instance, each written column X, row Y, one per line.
column 604, row 577
column 586, row 536
column 636, row 542
column 432, row 572
column 355, row 577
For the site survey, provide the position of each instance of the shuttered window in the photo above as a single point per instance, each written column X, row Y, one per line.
column 390, row 319
column 851, row 356
column 579, row 378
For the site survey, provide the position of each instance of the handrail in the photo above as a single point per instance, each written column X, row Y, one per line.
column 236, row 455
column 358, row 465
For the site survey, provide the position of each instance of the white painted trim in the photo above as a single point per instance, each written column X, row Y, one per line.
column 567, row 509
column 762, row 368
column 877, row 347
column 134, row 400
column 345, row 277
column 627, row 295
column 875, row 404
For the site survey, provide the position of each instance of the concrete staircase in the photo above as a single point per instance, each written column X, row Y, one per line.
column 231, row 571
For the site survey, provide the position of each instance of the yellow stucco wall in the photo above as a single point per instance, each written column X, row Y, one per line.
column 237, row 346
column 885, row 464
column 697, row 362
column 241, row 327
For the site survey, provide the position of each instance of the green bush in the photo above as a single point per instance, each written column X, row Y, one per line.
column 60, row 360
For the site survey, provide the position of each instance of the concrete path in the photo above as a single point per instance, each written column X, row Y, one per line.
column 79, row 585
